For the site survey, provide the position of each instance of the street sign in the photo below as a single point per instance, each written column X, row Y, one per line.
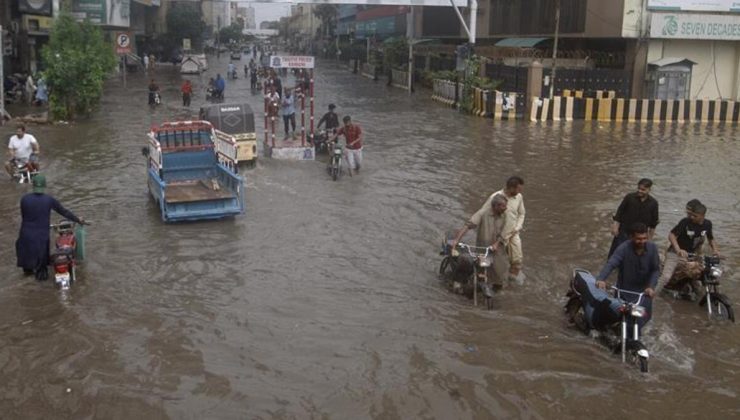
column 291, row 62
column 123, row 43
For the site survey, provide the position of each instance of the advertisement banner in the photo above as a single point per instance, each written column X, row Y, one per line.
column 103, row 12
column 695, row 26
column 696, row 5
column 291, row 62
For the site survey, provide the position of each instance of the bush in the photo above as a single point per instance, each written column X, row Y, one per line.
column 76, row 59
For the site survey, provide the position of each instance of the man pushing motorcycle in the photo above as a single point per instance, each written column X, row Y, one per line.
column 639, row 268
column 489, row 222
column 22, row 148
column 32, row 246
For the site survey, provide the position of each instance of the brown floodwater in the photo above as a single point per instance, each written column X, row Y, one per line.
column 322, row 301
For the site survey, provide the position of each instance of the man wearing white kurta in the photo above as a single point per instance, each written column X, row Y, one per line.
column 514, row 221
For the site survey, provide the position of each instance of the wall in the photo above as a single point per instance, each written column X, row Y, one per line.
column 716, row 73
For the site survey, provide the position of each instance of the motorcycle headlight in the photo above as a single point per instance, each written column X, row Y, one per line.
column 638, row 311
column 715, row 272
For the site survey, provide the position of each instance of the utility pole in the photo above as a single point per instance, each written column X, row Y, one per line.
column 2, row 78
column 555, row 48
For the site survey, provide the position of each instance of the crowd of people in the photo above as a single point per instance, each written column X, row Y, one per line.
column 633, row 253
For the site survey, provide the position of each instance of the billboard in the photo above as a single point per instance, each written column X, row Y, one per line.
column 696, row 5
column 103, row 12
column 445, row 3
column 291, row 62
column 695, row 26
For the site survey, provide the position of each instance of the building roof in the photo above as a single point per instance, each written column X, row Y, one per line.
column 667, row 61
column 520, row 42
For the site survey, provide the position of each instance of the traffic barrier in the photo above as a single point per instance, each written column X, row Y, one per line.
column 400, row 79
column 599, row 94
column 444, row 91
column 368, row 70
column 504, row 106
column 634, row 110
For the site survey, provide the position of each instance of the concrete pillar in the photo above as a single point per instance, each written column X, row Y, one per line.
column 636, row 62
column 736, row 84
column 534, row 84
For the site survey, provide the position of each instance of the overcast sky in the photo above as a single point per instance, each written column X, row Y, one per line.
column 268, row 12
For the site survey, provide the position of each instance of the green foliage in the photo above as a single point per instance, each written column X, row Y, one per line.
column 327, row 14
column 185, row 20
column 231, row 33
column 395, row 53
column 76, row 59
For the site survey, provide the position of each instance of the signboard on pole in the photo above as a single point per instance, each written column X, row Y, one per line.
column 291, row 62
column 695, row 26
column 123, row 43
column 696, row 5
column 186, row 44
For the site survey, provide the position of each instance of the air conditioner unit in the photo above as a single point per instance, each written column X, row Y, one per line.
column 35, row 7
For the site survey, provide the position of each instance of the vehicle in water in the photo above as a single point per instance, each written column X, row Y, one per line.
column 702, row 278
column 190, row 64
column 613, row 319
column 237, row 120
column 192, row 172
column 23, row 171
column 335, row 162
column 67, row 253
column 465, row 268
column 235, row 55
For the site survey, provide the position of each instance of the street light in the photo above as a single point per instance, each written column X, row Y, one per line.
column 555, row 48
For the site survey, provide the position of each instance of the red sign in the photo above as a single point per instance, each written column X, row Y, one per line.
column 123, row 43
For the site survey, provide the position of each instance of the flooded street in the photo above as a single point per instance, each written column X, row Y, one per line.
column 323, row 301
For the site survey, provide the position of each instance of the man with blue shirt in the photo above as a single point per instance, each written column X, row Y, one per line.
column 639, row 268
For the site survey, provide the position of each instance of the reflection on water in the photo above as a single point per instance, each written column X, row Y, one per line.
column 323, row 298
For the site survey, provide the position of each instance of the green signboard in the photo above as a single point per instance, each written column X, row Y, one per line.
column 93, row 10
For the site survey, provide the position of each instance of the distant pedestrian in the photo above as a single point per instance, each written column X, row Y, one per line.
column 288, row 112
column 636, row 207
column 146, row 62
column 30, row 89
column 187, row 92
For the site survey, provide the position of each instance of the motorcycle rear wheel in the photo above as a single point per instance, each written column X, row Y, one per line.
column 643, row 362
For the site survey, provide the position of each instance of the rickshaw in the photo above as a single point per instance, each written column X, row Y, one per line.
column 237, row 120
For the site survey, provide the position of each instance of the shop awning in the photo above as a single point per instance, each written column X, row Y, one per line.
column 520, row 42
column 668, row 61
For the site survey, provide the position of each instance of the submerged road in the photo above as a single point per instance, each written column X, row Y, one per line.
column 322, row 301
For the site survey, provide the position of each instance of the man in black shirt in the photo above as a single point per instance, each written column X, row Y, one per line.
column 688, row 236
column 331, row 119
column 636, row 207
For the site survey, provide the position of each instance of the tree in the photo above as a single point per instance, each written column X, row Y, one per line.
column 185, row 20
column 77, row 59
column 327, row 14
column 231, row 33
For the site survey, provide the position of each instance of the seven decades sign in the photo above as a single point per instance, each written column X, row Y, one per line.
column 695, row 26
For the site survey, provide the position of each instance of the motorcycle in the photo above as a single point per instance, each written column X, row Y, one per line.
column 592, row 309
column 213, row 94
column 320, row 142
column 465, row 263
column 154, row 99
column 23, row 172
column 335, row 164
column 232, row 74
column 67, row 251
column 704, row 279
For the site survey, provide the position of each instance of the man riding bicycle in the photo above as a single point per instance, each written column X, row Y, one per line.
column 22, row 148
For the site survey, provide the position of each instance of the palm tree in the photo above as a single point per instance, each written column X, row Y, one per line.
column 327, row 14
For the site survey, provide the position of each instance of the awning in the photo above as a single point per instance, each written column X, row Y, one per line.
column 667, row 61
column 520, row 42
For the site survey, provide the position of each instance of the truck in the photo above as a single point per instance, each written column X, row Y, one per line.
column 192, row 172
